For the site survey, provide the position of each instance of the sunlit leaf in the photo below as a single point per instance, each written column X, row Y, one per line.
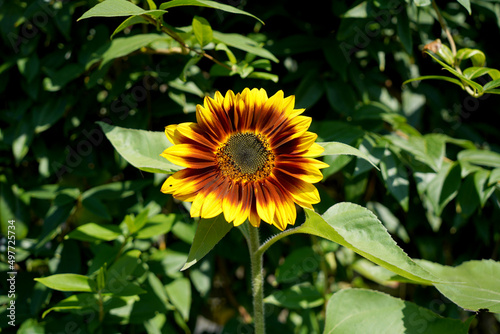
column 202, row 30
column 476, row 284
column 141, row 148
column 94, row 232
column 491, row 85
column 476, row 56
column 374, row 312
column 466, row 4
column 480, row 157
column 136, row 19
column 68, row 282
column 206, row 3
column 337, row 148
column 357, row 228
column 112, row 8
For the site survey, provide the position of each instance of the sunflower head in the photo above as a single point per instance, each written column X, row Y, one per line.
column 247, row 156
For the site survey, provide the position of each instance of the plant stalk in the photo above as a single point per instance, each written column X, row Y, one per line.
column 257, row 280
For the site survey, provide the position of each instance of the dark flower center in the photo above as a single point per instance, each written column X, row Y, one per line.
column 246, row 157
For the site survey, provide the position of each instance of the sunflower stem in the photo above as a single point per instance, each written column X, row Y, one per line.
column 257, row 279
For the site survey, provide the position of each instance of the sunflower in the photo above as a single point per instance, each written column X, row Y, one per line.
column 247, row 156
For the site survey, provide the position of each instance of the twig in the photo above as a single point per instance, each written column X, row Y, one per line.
column 445, row 28
column 183, row 44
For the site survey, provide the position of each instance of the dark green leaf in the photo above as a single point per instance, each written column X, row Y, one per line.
column 80, row 301
column 396, row 178
column 300, row 261
column 119, row 271
column 208, row 234
column 123, row 46
column 300, row 296
column 444, row 187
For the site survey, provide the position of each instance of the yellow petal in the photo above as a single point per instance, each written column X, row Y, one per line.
column 170, row 133
column 315, row 150
column 265, row 207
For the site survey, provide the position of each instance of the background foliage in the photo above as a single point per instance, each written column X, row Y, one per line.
column 80, row 208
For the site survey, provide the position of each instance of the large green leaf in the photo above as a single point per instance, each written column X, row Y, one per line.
column 206, row 3
column 208, row 234
column 353, row 311
column 337, row 148
column 141, row 148
column 357, row 228
column 112, row 8
column 476, row 284
column 68, row 282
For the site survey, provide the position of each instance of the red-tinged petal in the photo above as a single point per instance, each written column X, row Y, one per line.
column 265, row 205
column 191, row 133
column 303, row 193
column 189, row 155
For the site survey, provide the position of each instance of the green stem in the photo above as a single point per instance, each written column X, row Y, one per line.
column 275, row 238
column 101, row 307
column 257, row 280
